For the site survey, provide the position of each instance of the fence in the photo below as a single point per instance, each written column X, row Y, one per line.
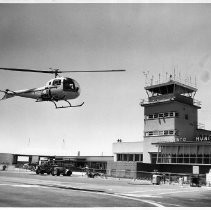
column 166, row 177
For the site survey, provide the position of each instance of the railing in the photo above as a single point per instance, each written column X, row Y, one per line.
column 147, row 177
column 196, row 102
column 147, row 101
column 169, row 97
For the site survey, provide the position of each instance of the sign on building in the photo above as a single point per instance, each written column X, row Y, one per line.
column 195, row 169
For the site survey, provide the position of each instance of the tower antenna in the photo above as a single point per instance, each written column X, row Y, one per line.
column 166, row 76
column 152, row 80
column 29, row 141
column 195, row 83
column 145, row 74
column 63, row 144
column 174, row 73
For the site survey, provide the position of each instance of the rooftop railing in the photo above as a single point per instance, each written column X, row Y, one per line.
column 158, row 99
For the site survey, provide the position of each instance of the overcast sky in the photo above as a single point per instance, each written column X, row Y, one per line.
column 137, row 37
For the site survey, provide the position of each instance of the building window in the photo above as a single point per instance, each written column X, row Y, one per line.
column 171, row 132
column 161, row 133
column 130, row 157
column 162, row 115
column 124, row 157
column 155, row 116
column 166, row 114
column 171, row 114
column 136, row 157
column 166, row 132
column 141, row 157
column 186, row 116
column 150, row 116
column 150, row 133
column 153, row 158
column 119, row 157
column 185, row 154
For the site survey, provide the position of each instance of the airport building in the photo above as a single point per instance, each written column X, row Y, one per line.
column 173, row 140
column 18, row 160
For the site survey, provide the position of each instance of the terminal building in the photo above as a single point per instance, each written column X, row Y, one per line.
column 173, row 140
column 79, row 162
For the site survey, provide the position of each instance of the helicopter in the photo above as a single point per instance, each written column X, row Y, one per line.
column 57, row 89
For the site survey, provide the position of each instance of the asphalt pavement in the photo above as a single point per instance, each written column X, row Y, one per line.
column 27, row 189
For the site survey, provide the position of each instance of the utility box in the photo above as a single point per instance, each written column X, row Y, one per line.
column 208, row 179
column 156, row 179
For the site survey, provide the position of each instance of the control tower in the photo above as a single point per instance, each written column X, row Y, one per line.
column 170, row 113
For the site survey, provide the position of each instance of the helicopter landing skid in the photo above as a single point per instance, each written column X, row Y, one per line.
column 68, row 106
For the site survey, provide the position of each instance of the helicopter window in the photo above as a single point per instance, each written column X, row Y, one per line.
column 49, row 83
column 57, row 82
column 69, row 84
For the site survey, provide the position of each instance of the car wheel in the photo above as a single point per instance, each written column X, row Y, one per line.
column 57, row 172
column 69, row 173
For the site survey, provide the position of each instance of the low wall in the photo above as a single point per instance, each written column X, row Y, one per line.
column 172, row 168
column 122, row 169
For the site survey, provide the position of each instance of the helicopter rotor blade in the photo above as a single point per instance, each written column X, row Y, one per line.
column 92, row 71
column 29, row 70
column 57, row 71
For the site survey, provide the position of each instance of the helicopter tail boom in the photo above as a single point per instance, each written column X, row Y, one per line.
column 7, row 94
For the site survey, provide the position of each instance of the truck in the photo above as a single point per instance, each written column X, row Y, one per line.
column 50, row 167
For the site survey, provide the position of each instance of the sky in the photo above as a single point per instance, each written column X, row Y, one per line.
column 154, row 38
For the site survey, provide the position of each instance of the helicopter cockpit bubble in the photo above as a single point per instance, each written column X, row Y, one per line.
column 70, row 85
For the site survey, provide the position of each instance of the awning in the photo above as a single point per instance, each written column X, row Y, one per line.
column 169, row 150
column 204, row 150
column 185, row 149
